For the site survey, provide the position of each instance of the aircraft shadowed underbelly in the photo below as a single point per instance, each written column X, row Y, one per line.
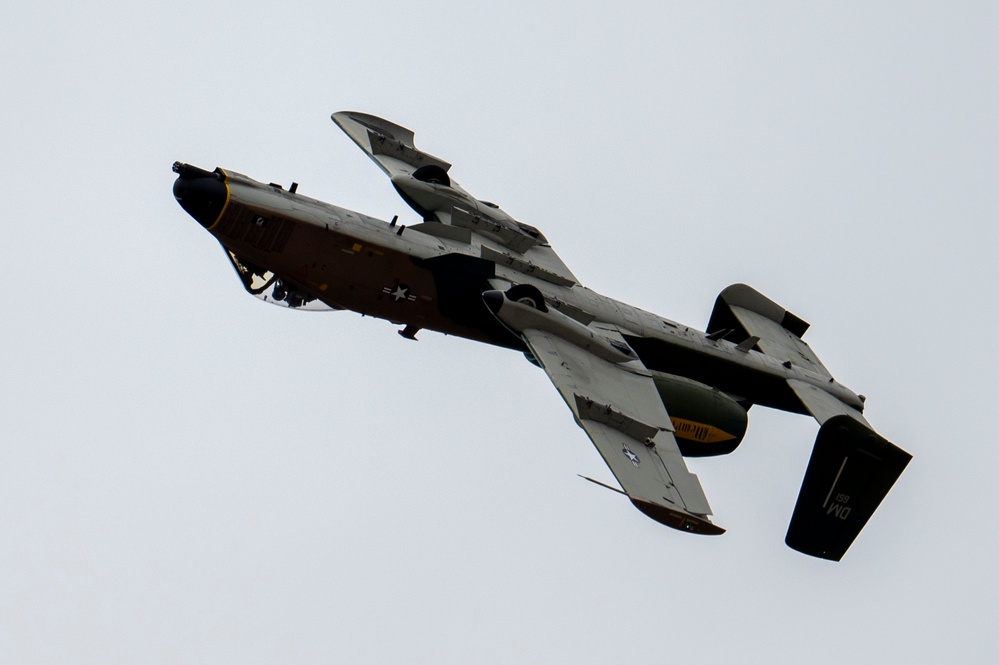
column 460, row 281
column 728, row 376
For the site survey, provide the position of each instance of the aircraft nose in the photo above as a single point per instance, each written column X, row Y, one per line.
column 201, row 193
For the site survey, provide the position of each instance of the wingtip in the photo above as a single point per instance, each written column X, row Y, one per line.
column 677, row 519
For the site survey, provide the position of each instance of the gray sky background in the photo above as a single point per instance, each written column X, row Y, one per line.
column 189, row 475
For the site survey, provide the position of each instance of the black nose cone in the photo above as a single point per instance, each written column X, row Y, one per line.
column 201, row 193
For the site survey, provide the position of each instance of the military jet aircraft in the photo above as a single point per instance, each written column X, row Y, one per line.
column 646, row 390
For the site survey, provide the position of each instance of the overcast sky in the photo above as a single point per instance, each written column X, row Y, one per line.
column 190, row 475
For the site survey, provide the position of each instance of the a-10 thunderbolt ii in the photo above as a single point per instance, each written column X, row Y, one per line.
column 646, row 390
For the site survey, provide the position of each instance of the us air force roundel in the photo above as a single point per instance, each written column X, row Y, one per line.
column 630, row 455
column 398, row 293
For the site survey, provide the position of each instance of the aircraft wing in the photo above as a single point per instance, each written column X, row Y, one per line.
column 619, row 408
column 386, row 143
column 424, row 182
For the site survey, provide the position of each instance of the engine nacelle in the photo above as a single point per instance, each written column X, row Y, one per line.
column 707, row 421
column 523, row 307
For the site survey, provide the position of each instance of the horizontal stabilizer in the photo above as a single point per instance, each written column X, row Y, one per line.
column 822, row 405
column 747, row 318
column 850, row 472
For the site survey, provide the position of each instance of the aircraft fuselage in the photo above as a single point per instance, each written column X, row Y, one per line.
column 420, row 278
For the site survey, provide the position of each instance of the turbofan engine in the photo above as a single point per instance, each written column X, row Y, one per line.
column 707, row 421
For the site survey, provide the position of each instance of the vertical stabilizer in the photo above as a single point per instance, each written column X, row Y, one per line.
column 850, row 472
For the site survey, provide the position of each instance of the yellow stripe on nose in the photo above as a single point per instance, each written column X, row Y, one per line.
column 225, row 206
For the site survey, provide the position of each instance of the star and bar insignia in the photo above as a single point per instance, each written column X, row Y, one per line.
column 398, row 293
column 630, row 455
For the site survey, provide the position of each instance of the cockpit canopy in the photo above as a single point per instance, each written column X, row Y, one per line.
column 271, row 288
